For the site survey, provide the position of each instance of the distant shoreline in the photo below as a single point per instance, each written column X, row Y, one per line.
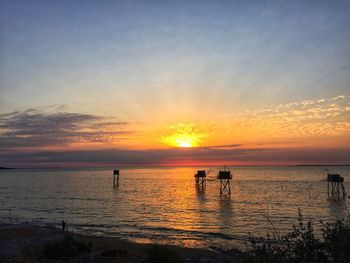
column 169, row 167
column 322, row 165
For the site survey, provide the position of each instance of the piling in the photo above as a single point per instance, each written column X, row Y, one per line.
column 115, row 178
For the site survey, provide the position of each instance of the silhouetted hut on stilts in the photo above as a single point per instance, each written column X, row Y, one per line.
column 225, row 176
column 335, row 186
column 115, row 178
column 200, row 178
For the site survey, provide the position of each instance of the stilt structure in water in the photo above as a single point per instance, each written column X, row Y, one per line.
column 115, row 178
column 335, row 186
column 225, row 176
column 200, row 179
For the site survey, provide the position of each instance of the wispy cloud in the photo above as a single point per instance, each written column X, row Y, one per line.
column 37, row 128
column 313, row 117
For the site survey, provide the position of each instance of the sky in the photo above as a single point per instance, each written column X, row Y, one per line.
column 143, row 83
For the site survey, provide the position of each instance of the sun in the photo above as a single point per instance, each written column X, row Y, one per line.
column 182, row 135
column 185, row 141
column 185, row 144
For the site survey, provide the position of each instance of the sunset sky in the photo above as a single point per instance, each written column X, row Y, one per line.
column 92, row 83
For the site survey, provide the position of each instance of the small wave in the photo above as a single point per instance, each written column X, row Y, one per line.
column 183, row 232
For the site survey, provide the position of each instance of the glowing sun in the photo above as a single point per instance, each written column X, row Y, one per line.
column 185, row 141
column 182, row 135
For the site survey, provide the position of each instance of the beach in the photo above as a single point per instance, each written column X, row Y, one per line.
column 25, row 243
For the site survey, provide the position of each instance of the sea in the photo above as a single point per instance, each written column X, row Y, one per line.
column 165, row 206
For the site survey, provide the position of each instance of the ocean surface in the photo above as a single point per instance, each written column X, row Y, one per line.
column 163, row 205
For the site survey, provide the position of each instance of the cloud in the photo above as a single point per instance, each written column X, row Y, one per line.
column 178, row 156
column 37, row 128
column 313, row 117
column 305, row 110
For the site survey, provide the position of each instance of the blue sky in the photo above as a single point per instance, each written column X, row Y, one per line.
column 253, row 52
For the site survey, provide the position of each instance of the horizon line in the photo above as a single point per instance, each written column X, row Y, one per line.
column 159, row 166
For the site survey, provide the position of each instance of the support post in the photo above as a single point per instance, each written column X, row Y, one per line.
column 225, row 186
column 115, row 178
column 328, row 188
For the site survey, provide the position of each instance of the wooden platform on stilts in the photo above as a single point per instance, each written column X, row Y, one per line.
column 335, row 185
column 225, row 176
column 200, row 179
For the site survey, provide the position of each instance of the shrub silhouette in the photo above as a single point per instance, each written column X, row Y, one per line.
column 301, row 244
column 161, row 254
column 67, row 248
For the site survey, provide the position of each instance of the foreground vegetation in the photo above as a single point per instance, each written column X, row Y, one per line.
column 302, row 245
column 158, row 254
column 67, row 248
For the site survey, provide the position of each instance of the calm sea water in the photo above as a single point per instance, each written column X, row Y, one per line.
column 163, row 205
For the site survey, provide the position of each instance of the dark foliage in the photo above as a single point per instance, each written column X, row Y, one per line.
column 301, row 244
column 337, row 239
column 161, row 254
column 65, row 249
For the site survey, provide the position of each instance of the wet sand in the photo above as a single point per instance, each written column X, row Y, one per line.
column 24, row 243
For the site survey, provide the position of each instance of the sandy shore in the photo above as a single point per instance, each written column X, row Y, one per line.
column 24, row 243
